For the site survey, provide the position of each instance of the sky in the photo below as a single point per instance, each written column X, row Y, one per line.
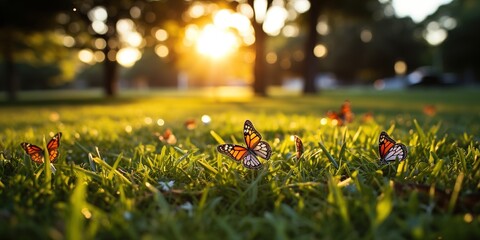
column 417, row 9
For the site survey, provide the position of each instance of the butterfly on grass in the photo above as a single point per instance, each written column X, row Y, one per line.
column 344, row 116
column 36, row 153
column 298, row 146
column 389, row 150
column 167, row 137
column 248, row 155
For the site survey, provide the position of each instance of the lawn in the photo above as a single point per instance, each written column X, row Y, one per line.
column 121, row 175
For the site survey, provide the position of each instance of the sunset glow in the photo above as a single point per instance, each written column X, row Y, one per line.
column 215, row 42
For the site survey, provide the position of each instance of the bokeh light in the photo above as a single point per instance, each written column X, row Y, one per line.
column 400, row 67
column 161, row 50
column 128, row 56
column 98, row 13
column 271, row 57
column 206, row 119
column 274, row 20
column 85, row 55
column 160, row 122
column 161, row 35
column 366, row 35
column 320, row 51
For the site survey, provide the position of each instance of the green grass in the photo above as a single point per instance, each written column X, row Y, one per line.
column 109, row 179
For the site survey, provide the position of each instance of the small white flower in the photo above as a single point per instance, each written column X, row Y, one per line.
column 166, row 186
column 187, row 207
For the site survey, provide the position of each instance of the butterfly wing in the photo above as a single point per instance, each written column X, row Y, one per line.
column 52, row 147
column 252, row 136
column 248, row 155
column 397, row 151
column 346, row 112
column 254, row 142
column 251, row 161
column 390, row 150
column 34, row 151
column 235, row 152
column 298, row 146
column 263, row 150
column 239, row 153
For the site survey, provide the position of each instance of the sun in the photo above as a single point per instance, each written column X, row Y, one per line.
column 216, row 42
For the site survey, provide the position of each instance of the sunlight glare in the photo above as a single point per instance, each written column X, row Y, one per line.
column 417, row 10
column 215, row 42
column 260, row 8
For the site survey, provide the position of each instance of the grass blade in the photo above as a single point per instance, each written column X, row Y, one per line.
column 329, row 156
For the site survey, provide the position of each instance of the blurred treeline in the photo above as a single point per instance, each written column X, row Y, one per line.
column 145, row 43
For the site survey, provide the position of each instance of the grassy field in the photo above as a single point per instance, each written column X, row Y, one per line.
column 116, row 179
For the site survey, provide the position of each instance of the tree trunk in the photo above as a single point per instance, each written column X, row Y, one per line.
column 260, row 68
column 11, row 84
column 260, row 80
column 310, row 63
column 110, row 74
column 111, row 78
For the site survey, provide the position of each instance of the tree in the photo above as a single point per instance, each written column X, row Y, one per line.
column 117, row 29
column 343, row 8
column 460, row 49
column 259, row 69
column 18, row 19
column 310, row 62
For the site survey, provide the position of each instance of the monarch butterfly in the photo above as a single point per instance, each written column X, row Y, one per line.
column 248, row 155
column 390, row 150
column 344, row 116
column 298, row 146
column 36, row 153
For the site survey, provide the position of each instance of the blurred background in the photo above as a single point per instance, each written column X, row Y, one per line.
column 297, row 45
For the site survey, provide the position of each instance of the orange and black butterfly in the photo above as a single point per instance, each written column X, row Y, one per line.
column 344, row 116
column 36, row 153
column 248, row 155
column 298, row 146
column 389, row 150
